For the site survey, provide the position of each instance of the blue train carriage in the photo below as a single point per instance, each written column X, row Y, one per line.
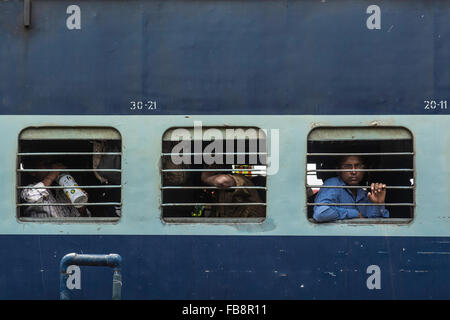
column 278, row 91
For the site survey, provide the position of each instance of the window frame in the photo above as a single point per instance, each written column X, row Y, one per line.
column 38, row 133
column 211, row 220
column 365, row 221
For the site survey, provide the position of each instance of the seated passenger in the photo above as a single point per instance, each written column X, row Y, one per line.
column 48, row 196
column 226, row 195
column 377, row 194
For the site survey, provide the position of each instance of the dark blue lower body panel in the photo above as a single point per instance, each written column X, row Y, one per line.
column 231, row 267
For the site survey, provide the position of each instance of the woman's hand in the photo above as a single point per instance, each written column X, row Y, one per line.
column 51, row 176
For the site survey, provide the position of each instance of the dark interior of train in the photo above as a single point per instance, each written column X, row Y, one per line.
column 379, row 161
column 87, row 178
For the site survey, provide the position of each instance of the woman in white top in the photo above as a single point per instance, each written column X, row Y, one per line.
column 38, row 194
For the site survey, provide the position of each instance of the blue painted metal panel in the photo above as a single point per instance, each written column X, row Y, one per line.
column 226, row 267
column 225, row 57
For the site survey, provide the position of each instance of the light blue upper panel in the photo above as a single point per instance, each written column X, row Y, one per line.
column 286, row 210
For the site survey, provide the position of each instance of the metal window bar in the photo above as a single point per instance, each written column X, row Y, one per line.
column 70, row 170
column 210, row 187
column 212, row 204
column 360, row 204
column 361, row 170
column 69, row 204
column 358, row 187
column 70, row 219
column 210, row 170
column 66, row 187
column 68, row 153
column 212, row 153
column 360, row 154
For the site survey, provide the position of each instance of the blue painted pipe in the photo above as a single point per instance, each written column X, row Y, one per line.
column 99, row 260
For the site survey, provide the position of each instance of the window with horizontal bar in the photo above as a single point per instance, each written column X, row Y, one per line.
column 213, row 175
column 344, row 163
column 69, row 174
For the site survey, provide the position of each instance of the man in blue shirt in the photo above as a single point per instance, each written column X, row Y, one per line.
column 377, row 194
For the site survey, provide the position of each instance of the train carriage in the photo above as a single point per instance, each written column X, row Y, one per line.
column 114, row 89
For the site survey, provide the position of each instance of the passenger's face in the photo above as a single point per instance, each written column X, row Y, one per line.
column 42, row 164
column 352, row 178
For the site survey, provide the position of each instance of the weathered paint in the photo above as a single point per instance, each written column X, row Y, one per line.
column 231, row 267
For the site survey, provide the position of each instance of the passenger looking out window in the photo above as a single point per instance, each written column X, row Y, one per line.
column 352, row 196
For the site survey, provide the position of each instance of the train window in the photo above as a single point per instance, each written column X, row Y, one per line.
column 342, row 165
column 213, row 175
column 69, row 174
